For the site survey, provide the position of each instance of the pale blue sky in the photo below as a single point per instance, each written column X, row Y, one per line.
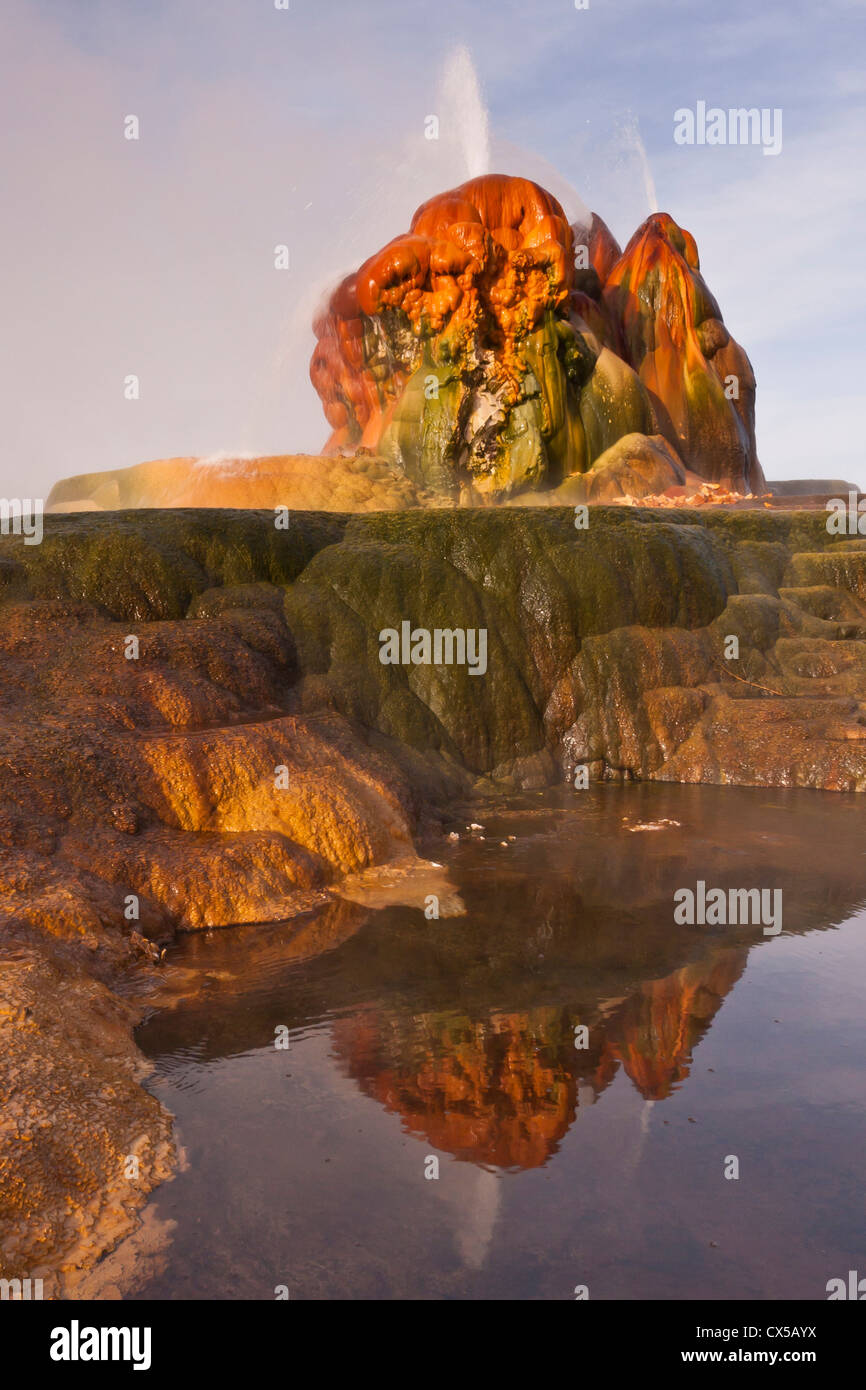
column 260, row 127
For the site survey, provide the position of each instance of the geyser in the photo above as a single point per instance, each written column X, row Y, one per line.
column 494, row 348
column 495, row 351
column 460, row 92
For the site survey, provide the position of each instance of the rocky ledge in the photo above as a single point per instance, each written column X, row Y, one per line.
column 198, row 731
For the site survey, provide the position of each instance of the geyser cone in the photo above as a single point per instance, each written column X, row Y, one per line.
column 477, row 355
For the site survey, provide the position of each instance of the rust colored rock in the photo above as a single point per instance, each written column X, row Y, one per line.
column 637, row 466
column 426, row 354
column 82, row 1144
column 699, row 379
column 493, row 349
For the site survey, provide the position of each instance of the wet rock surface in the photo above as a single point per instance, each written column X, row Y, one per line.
column 82, row 1144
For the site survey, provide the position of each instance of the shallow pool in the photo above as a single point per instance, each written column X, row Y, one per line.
column 581, row 1069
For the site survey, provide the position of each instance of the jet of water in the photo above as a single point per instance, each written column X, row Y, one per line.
column 631, row 132
column 463, row 110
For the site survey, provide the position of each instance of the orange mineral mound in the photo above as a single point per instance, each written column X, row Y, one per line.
column 493, row 349
column 486, row 259
column 701, row 381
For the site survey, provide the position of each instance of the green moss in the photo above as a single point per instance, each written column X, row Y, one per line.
column 423, row 435
column 613, row 403
column 759, row 566
column 841, row 569
column 581, row 624
column 150, row 564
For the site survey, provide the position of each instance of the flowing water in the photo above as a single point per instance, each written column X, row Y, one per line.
column 565, row 1158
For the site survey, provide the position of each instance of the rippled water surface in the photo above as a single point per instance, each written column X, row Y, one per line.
column 558, row 1164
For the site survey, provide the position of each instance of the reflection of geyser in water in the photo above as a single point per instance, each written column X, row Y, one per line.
column 643, row 1130
column 473, row 1197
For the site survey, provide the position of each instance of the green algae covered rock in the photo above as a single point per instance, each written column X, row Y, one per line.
column 609, row 645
